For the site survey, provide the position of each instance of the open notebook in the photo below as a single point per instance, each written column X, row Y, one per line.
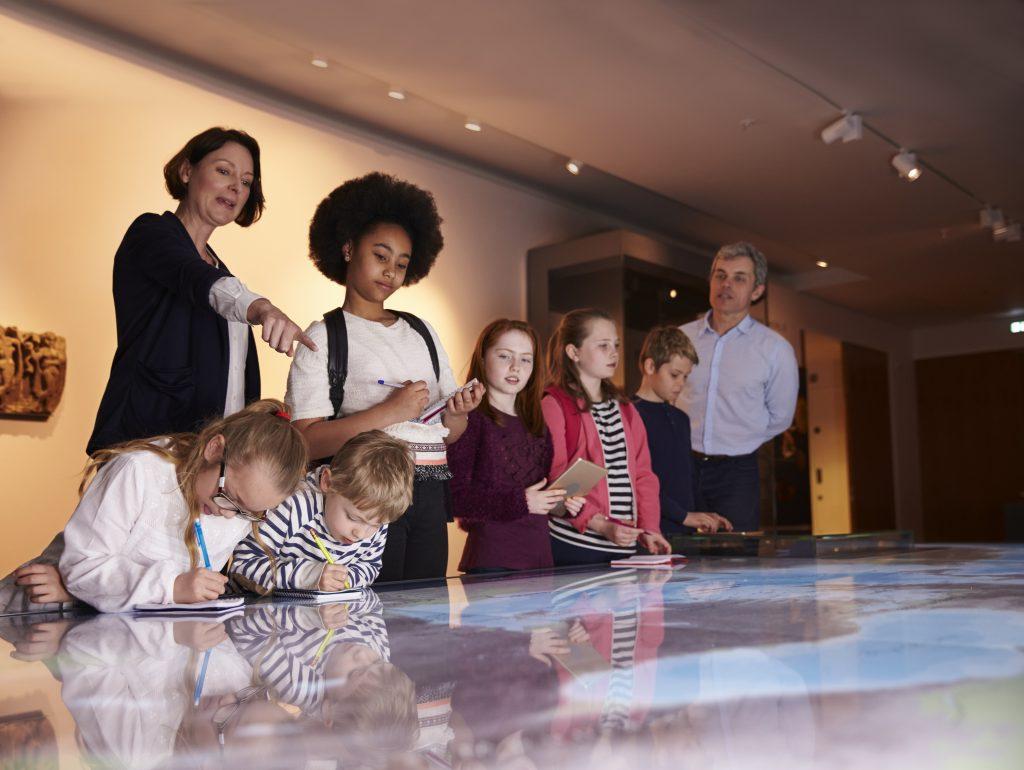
column 647, row 561
column 434, row 412
column 215, row 607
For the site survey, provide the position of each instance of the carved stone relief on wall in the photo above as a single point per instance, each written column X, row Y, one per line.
column 32, row 371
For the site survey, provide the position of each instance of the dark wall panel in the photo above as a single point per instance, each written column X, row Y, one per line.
column 971, row 427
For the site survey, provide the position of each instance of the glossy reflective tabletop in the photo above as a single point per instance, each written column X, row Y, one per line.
column 906, row 659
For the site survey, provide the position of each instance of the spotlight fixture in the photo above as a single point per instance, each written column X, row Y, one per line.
column 673, row 294
column 821, row 263
column 318, row 61
column 991, row 217
column 1007, row 232
column 906, row 164
column 396, row 93
column 573, row 166
column 472, row 124
column 849, row 128
column 1017, row 327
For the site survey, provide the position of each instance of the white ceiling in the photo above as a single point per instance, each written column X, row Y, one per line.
column 697, row 120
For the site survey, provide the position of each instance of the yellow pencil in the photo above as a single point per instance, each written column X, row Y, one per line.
column 322, row 647
column 330, row 560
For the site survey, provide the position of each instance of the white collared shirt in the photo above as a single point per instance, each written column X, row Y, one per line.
column 230, row 299
column 744, row 390
column 125, row 543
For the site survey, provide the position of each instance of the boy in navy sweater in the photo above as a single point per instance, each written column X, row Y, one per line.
column 666, row 359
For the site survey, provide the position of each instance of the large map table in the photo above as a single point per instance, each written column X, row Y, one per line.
column 909, row 658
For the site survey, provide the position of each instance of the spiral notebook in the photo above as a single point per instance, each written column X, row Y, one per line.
column 434, row 412
column 316, row 597
column 214, row 607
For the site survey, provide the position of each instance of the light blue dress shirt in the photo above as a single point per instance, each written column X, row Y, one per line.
column 743, row 392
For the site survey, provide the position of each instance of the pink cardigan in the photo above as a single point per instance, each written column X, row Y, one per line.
column 645, row 483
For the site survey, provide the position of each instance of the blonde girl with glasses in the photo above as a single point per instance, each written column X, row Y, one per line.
column 132, row 538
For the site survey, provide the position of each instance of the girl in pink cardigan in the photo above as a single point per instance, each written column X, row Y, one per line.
column 589, row 418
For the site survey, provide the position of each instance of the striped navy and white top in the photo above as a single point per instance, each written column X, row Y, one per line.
column 289, row 646
column 616, row 712
column 299, row 562
column 609, row 588
column 621, row 501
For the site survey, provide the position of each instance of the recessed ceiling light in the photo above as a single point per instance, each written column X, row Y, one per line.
column 396, row 93
column 673, row 294
column 472, row 124
column 821, row 263
column 906, row 164
column 1017, row 327
column 317, row 61
column 573, row 166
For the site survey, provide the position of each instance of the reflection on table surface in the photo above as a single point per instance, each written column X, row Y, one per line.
column 908, row 658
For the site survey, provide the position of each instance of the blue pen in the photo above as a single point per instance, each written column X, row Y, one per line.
column 202, row 544
column 198, row 692
column 390, row 384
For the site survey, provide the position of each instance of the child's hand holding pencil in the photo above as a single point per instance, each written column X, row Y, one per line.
column 333, row 573
column 334, row 578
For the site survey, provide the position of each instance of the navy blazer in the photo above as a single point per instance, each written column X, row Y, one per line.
column 170, row 369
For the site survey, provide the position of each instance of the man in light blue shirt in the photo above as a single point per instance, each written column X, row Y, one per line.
column 743, row 392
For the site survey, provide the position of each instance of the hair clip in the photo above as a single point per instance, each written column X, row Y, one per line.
column 283, row 414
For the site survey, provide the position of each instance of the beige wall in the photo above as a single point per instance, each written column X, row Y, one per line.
column 791, row 312
column 83, row 136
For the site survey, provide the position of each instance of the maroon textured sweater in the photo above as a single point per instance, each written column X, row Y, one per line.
column 491, row 467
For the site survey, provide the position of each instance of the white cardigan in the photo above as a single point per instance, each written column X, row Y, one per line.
column 124, row 544
column 128, row 686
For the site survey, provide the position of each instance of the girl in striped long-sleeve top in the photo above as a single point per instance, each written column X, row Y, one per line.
column 590, row 419
column 346, row 506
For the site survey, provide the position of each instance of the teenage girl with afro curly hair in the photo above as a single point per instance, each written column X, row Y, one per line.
column 374, row 235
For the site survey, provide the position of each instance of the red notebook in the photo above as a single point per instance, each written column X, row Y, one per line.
column 647, row 561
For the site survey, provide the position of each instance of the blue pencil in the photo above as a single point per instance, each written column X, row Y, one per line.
column 202, row 544
column 198, row 692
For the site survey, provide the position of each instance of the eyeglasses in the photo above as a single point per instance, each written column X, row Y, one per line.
column 227, row 712
column 223, row 500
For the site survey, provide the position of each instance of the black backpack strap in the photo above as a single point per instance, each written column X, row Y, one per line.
column 337, row 356
column 417, row 323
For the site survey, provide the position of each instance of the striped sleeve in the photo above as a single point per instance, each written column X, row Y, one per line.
column 256, row 570
column 364, row 564
column 293, row 671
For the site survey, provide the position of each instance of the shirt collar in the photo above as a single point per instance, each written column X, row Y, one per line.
column 743, row 326
column 705, row 327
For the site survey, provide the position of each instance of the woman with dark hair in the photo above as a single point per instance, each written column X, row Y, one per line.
column 379, row 369
column 184, row 352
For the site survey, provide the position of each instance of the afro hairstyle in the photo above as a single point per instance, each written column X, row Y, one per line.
column 353, row 208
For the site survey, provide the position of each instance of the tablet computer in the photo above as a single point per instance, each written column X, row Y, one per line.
column 577, row 480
